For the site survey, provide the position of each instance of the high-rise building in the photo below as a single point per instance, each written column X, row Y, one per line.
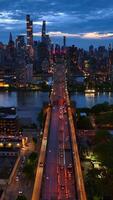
column 20, row 41
column 45, row 37
column 8, row 124
column 29, row 73
column 29, row 25
column 44, row 31
column 64, row 41
column 11, row 42
column 10, row 52
column 2, row 54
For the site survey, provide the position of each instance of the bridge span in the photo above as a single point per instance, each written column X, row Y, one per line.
column 59, row 174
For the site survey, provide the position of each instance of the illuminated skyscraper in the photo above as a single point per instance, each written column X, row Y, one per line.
column 29, row 25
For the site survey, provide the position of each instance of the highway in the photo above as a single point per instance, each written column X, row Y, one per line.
column 58, row 179
column 61, row 175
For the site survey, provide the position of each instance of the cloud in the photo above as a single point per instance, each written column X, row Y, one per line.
column 100, row 14
column 10, row 21
column 40, row 23
column 90, row 35
column 97, row 35
column 8, row 18
column 83, row 19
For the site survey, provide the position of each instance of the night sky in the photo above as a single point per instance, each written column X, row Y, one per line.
column 84, row 22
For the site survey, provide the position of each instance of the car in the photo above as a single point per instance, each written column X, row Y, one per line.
column 61, row 167
column 41, row 164
column 17, row 179
column 69, row 166
column 62, row 187
column 60, row 116
column 20, row 192
column 67, row 195
column 69, row 175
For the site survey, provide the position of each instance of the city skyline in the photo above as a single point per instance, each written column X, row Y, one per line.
column 83, row 23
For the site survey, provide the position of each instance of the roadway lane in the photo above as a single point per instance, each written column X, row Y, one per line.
column 41, row 161
column 49, row 188
column 58, row 180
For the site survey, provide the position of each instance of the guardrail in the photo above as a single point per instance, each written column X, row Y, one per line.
column 77, row 166
column 41, row 162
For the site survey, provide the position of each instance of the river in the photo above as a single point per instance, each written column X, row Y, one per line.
column 88, row 100
column 30, row 103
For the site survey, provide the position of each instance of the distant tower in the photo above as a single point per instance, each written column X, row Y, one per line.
column 64, row 41
column 110, row 47
column 11, row 42
column 29, row 26
column 10, row 37
column 43, row 30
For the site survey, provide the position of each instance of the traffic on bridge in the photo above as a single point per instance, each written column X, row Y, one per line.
column 59, row 175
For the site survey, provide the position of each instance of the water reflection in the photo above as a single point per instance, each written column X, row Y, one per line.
column 28, row 103
column 8, row 99
column 89, row 101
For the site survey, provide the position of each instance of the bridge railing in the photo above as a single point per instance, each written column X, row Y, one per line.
column 77, row 166
column 41, row 162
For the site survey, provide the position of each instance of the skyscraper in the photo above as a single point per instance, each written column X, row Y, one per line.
column 11, row 42
column 64, row 41
column 29, row 25
column 44, row 31
column 20, row 42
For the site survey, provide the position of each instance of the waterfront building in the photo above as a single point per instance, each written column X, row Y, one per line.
column 8, row 125
column 29, row 73
column 2, row 54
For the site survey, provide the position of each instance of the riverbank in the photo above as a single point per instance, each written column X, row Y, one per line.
column 29, row 89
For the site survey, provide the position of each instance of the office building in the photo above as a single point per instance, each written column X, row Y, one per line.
column 20, row 42
column 29, row 26
column 8, row 125
column 44, row 31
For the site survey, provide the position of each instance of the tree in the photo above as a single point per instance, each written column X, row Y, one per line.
column 84, row 123
column 30, row 165
column 103, row 107
column 29, row 171
column 102, row 136
column 32, row 157
column 92, row 183
column 34, row 140
column 21, row 197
